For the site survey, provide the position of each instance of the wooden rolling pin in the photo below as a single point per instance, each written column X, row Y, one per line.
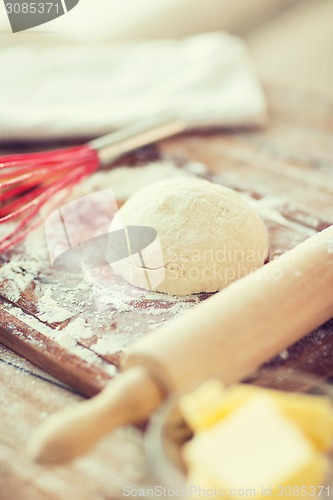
column 230, row 334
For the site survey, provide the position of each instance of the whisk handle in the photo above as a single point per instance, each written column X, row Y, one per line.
column 115, row 144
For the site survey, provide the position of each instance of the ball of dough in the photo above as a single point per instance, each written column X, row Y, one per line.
column 207, row 237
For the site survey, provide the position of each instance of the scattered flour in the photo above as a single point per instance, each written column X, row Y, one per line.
column 17, row 274
column 61, row 337
column 30, row 320
column 106, row 346
column 268, row 208
column 196, row 168
column 78, row 329
column 111, row 369
column 126, row 180
column 284, row 355
column 49, row 309
column 33, row 264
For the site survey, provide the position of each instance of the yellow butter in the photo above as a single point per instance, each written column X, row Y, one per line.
column 255, row 449
column 204, row 406
column 210, row 403
column 313, row 414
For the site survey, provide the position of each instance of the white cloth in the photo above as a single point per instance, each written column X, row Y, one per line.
column 88, row 90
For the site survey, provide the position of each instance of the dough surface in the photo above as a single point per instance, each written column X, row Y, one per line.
column 207, row 237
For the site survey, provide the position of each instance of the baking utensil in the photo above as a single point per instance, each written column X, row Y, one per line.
column 231, row 333
column 35, row 181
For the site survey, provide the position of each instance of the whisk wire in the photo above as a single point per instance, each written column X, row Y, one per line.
column 24, row 195
column 31, row 182
column 33, row 206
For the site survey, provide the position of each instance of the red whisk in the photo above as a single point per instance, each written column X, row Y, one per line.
column 35, row 181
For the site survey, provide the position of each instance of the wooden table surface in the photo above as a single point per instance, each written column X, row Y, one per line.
column 297, row 140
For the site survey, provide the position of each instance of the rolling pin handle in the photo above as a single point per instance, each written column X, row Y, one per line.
column 131, row 398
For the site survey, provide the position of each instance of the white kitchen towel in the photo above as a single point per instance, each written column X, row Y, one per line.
column 72, row 90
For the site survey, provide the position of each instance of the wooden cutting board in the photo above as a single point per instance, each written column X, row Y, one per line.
column 77, row 327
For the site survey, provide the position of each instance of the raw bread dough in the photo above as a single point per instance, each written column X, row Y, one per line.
column 207, row 237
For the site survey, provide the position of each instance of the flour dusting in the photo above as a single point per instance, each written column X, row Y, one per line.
column 96, row 315
column 126, row 180
column 50, row 311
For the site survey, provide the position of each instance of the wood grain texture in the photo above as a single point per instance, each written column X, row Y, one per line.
column 287, row 170
column 26, row 400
